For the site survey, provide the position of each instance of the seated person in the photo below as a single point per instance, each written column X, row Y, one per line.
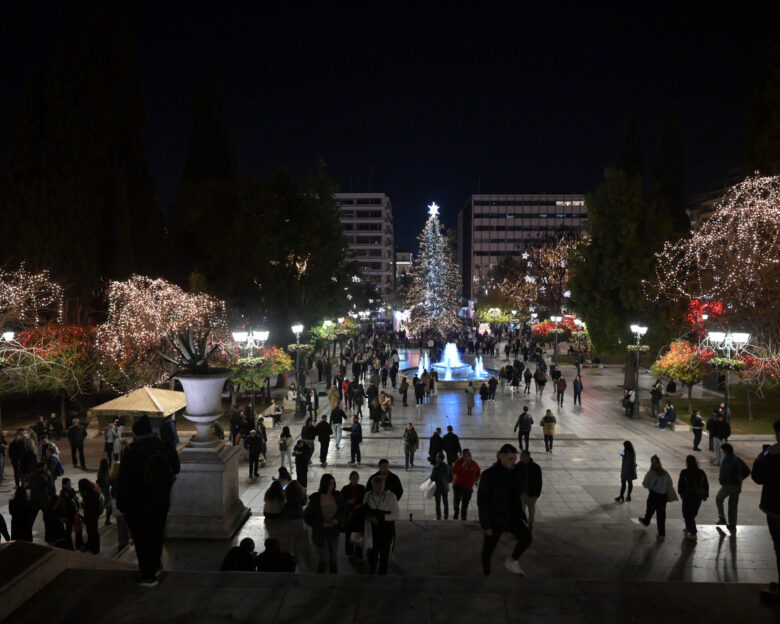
column 668, row 417
column 596, row 359
column 240, row 558
column 671, row 386
column 273, row 559
column 291, row 393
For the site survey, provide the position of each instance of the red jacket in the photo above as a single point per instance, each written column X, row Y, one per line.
column 463, row 476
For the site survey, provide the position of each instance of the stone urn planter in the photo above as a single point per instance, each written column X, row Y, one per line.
column 205, row 501
column 203, row 394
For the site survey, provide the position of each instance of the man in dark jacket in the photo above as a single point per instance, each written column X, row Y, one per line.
column 501, row 509
column 531, row 486
column 523, row 427
column 254, row 445
column 719, row 431
column 41, row 488
column 337, row 418
column 324, row 431
column 435, row 445
column 451, row 444
column 732, row 472
column 392, row 482
column 144, row 495
column 77, row 433
column 15, row 453
column 355, row 438
column 766, row 472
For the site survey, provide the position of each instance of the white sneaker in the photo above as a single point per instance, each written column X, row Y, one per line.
column 513, row 566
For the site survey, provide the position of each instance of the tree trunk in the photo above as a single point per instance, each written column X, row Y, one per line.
column 750, row 406
column 690, row 399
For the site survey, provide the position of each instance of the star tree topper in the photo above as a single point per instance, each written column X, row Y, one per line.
column 433, row 210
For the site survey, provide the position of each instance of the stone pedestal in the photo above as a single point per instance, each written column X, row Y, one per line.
column 205, row 502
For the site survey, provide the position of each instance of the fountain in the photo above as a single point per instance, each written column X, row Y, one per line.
column 451, row 369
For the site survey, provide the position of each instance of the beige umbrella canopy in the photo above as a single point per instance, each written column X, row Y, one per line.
column 149, row 401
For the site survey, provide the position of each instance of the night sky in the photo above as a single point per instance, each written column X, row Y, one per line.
column 428, row 102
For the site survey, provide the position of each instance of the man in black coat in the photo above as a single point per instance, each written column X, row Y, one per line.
column 254, row 444
column 435, row 445
column 451, row 444
column 392, row 482
column 531, row 486
column 144, row 496
column 324, row 431
column 355, row 438
column 77, row 433
column 501, row 509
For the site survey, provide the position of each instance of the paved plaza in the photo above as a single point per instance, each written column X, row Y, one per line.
column 581, row 532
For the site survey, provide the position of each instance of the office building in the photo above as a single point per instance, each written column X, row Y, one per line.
column 491, row 227
column 403, row 263
column 368, row 225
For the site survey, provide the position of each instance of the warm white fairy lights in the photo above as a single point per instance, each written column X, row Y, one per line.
column 733, row 257
column 26, row 298
column 142, row 312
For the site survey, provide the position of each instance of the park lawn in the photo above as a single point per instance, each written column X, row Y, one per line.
column 765, row 410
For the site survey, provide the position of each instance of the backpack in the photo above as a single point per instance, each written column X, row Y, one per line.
column 157, row 480
column 282, row 444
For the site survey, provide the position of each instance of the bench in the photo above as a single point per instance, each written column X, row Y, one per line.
column 679, row 425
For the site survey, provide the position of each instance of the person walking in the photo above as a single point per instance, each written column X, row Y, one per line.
column 355, row 438
column 104, row 484
column 531, row 486
column 697, row 425
column 527, row 377
column 560, row 389
column 23, row 514
column 523, row 427
column 308, row 433
column 719, row 430
column 337, row 418
column 324, row 431
column 441, row 475
column 110, row 436
column 353, row 494
column 411, row 442
column 451, row 443
column 435, row 444
column 403, row 390
column 470, row 392
column 381, row 512
column 627, row 471
column 77, row 433
column 766, row 473
column 146, row 474
column 286, row 443
column 693, row 488
column 301, row 454
column 548, row 427
column 465, row 475
column 577, row 388
column 660, row 490
column 326, row 514
column 333, row 397
column 501, row 510
column 732, row 472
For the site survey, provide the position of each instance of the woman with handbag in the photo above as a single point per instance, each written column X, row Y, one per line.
column 660, row 491
column 627, row 471
column 326, row 514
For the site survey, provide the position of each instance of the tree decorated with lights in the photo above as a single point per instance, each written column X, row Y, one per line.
column 142, row 314
column 732, row 258
column 433, row 298
column 27, row 299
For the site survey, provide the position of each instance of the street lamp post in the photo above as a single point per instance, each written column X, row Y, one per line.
column 7, row 336
column 638, row 331
column 728, row 341
column 250, row 341
column 300, row 409
column 556, row 320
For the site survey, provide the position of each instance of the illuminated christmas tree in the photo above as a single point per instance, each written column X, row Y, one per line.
column 433, row 298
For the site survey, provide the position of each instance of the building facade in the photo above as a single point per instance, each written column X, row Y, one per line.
column 403, row 263
column 368, row 225
column 491, row 227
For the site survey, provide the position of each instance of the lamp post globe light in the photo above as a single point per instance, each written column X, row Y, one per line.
column 300, row 406
column 556, row 320
column 728, row 341
column 638, row 331
column 250, row 341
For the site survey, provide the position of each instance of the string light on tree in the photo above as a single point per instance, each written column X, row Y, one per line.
column 433, row 298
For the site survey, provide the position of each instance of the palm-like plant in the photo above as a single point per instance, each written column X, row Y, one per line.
column 193, row 352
